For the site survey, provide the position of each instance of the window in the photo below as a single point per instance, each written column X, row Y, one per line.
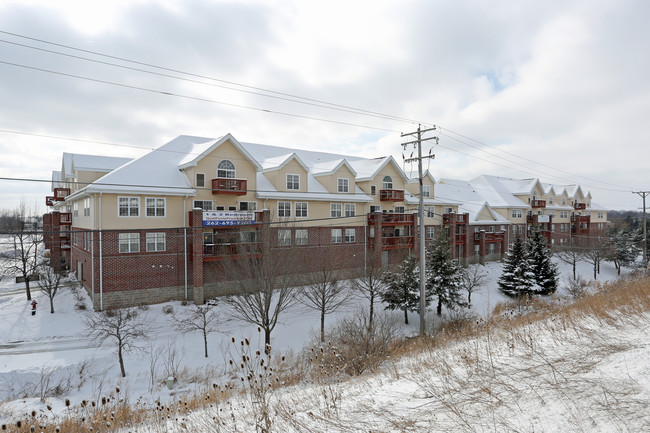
column 232, row 207
column 301, row 210
column 203, row 204
column 220, row 208
column 284, row 238
column 128, row 206
column 337, row 236
column 477, row 250
column 87, row 206
column 302, row 236
column 75, row 209
column 399, row 209
column 491, row 229
column 343, row 185
column 350, row 235
column 601, row 215
column 431, row 233
column 248, row 205
column 335, row 210
column 564, row 214
column 491, row 249
column 550, row 199
column 284, row 209
column 426, row 191
column 350, row 209
column 155, row 206
column 520, row 229
column 387, row 183
column 208, row 238
column 86, row 241
column 430, row 211
column 449, row 210
column 373, row 190
column 514, row 230
column 129, row 242
column 156, row 241
column 564, row 202
column 226, row 169
column 375, row 208
column 293, row 181
column 200, row 180
column 248, row 236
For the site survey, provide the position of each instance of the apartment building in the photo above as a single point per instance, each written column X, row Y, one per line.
column 173, row 223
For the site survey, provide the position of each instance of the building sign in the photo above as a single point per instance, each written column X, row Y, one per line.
column 543, row 219
column 227, row 218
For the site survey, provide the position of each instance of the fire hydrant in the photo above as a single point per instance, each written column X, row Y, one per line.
column 34, row 303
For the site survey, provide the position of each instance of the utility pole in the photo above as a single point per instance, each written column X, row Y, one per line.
column 643, row 195
column 418, row 143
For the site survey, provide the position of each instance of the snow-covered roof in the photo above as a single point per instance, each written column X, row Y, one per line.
column 76, row 161
column 470, row 200
column 499, row 192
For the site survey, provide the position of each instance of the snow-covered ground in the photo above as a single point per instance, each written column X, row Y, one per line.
column 47, row 358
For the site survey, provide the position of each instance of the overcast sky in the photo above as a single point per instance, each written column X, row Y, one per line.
column 558, row 90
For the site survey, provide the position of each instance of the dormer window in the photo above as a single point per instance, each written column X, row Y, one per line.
column 226, row 169
column 387, row 183
column 343, row 185
column 425, row 191
column 293, row 181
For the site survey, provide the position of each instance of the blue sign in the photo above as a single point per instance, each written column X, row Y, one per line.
column 222, row 218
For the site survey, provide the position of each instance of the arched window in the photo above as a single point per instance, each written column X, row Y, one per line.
column 388, row 183
column 226, row 169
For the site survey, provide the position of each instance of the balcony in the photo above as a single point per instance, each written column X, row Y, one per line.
column 460, row 239
column 391, row 195
column 586, row 219
column 61, row 193
column 452, row 218
column 222, row 185
column 231, row 251
column 538, row 203
column 65, row 218
column 490, row 236
column 391, row 219
column 579, row 206
column 393, row 242
column 49, row 200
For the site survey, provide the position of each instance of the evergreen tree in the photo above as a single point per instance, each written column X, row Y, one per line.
column 517, row 277
column 444, row 275
column 620, row 248
column 544, row 270
column 402, row 288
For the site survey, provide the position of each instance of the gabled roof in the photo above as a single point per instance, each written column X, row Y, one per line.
column 367, row 169
column 331, row 167
column 276, row 163
column 426, row 174
column 498, row 194
column 470, row 200
column 204, row 146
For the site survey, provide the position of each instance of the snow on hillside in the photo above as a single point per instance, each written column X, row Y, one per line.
column 49, row 355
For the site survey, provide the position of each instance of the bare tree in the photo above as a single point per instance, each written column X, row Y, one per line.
column 472, row 278
column 123, row 326
column 48, row 282
column 264, row 281
column 202, row 318
column 370, row 284
column 570, row 254
column 324, row 293
column 26, row 241
column 594, row 254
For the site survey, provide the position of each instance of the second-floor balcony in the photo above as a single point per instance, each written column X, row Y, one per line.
column 49, row 200
column 490, row 236
column 582, row 219
column 453, row 218
column 65, row 218
column 393, row 242
column 223, row 185
column 391, row 219
column 579, row 206
column 538, row 203
column 391, row 195
column 61, row 193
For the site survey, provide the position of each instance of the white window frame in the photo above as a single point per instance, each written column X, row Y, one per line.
column 350, row 235
column 430, row 211
column 375, row 208
column 251, row 206
column 196, row 180
column 426, row 191
column 75, row 209
column 129, row 240
column 159, row 211
column 293, row 181
column 284, row 209
column 350, row 209
column 430, row 232
column 343, row 184
column 387, row 183
column 302, row 236
column 202, row 203
column 301, row 209
column 373, row 190
column 226, row 172
column 336, row 210
column 156, row 242
column 284, row 237
column 337, row 236
column 131, row 204
column 87, row 206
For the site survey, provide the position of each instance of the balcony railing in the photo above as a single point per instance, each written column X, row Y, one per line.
column 233, row 251
column 490, row 236
column 49, row 200
column 452, row 218
column 460, row 239
column 61, row 193
column 580, row 218
column 538, row 203
column 223, row 185
column 393, row 219
column 391, row 195
column 579, row 206
column 65, row 218
column 393, row 242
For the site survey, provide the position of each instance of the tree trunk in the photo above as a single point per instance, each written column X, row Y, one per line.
column 469, row 297
column 51, row 305
column 27, row 290
column 322, row 325
column 439, row 308
column 205, row 343
column 595, row 276
column 267, row 337
column 119, row 356
column 406, row 316
column 372, row 311
column 574, row 269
